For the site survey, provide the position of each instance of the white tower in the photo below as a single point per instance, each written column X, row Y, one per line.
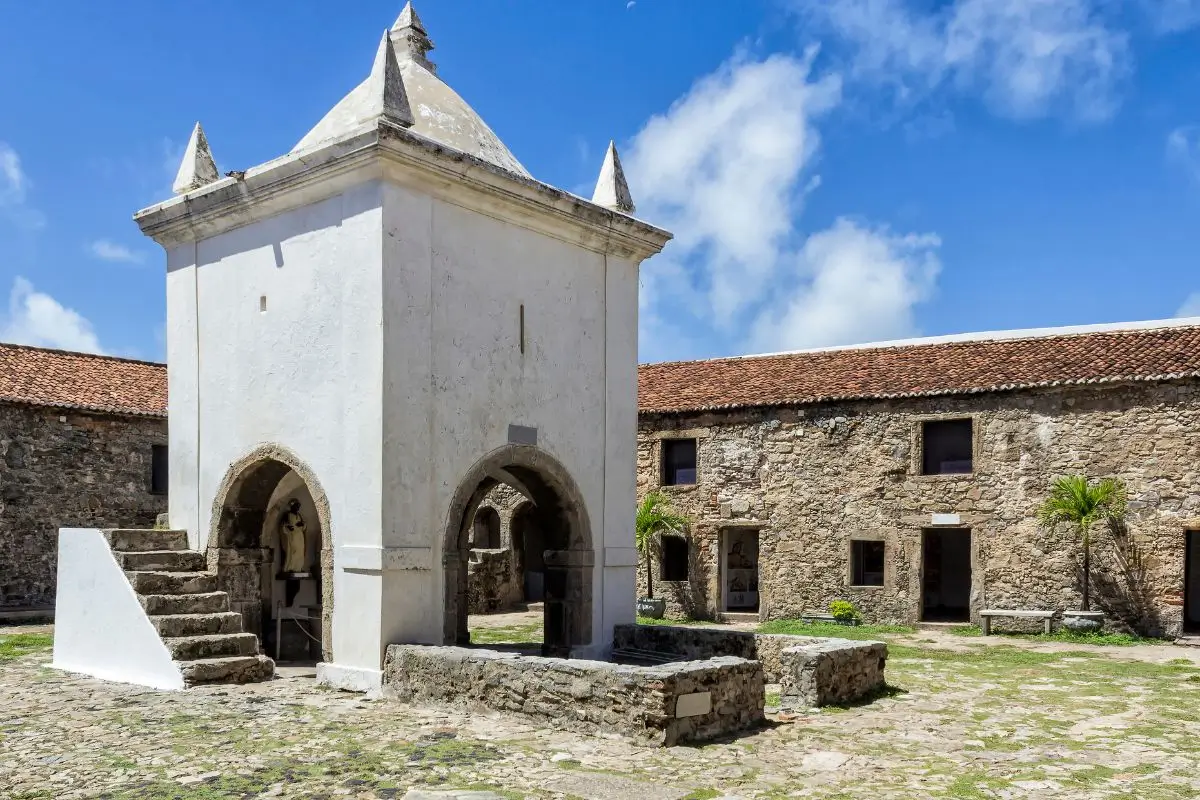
column 385, row 323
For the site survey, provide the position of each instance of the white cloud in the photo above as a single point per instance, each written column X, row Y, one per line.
column 727, row 169
column 14, row 190
column 855, row 284
column 106, row 250
column 721, row 170
column 1183, row 149
column 1028, row 58
column 1190, row 307
column 1171, row 16
column 13, row 182
column 36, row 318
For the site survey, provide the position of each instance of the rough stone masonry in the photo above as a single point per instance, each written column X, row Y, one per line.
column 65, row 468
column 812, row 479
column 676, row 703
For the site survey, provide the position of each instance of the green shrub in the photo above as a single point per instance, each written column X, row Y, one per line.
column 845, row 612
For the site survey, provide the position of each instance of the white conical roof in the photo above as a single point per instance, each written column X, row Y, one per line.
column 438, row 111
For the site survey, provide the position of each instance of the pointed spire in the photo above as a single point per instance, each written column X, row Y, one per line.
column 411, row 38
column 385, row 87
column 612, row 191
column 408, row 19
column 198, row 168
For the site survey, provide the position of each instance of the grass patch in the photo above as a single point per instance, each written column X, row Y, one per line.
column 22, row 644
column 1063, row 635
column 509, row 634
column 827, row 630
column 683, row 622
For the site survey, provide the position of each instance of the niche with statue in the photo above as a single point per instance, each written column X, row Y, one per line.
column 293, row 531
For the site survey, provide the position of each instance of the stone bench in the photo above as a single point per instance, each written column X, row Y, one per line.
column 632, row 655
column 985, row 617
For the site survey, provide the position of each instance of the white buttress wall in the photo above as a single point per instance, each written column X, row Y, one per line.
column 100, row 627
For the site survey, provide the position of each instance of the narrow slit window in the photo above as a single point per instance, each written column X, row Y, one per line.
column 158, row 469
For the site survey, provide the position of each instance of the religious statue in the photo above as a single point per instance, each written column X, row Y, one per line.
column 293, row 536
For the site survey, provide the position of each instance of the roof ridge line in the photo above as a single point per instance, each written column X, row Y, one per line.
column 82, row 354
column 974, row 337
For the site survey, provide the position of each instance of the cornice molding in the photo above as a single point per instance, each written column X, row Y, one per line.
column 381, row 151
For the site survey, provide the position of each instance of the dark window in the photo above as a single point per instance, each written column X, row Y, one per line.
column 158, row 469
column 946, row 448
column 486, row 535
column 866, row 563
column 678, row 461
column 674, row 565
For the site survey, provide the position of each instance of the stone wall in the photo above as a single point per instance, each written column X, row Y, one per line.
column 814, row 478
column 663, row 705
column 810, row 671
column 492, row 582
column 822, row 672
column 61, row 468
column 494, row 578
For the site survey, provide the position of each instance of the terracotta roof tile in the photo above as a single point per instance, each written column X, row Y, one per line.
column 60, row 379
column 916, row 369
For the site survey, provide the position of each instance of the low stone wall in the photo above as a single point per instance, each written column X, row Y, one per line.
column 664, row 705
column 492, row 584
column 824, row 672
column 810, row 671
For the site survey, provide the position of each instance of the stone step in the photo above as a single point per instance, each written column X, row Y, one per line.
column 238, row 669
column 125, row 540
column 221, row 645
column 170, row 604
column 197, row 624
column 172, row 582
column 163, row 561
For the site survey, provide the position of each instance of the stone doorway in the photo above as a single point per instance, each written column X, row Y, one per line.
column 946, row 575
column 290, row 611
column 553, row 524
column 528, row 549
column 1191, row 582
column 739, row 570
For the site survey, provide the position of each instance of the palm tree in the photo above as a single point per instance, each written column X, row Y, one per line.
column 654, row 518
column 1075, row 500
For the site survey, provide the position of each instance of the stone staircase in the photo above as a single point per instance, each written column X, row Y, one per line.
column 181, row 599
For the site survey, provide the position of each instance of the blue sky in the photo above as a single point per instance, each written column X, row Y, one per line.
column 836, row 171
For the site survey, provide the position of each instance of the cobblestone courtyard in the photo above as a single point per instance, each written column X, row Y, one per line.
column 965, row 720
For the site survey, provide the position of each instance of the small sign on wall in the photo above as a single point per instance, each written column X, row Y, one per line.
column 693, row 705
column 945, row 519
column 520, row 434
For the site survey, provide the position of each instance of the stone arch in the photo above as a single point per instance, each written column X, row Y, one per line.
column 569, row 556
column 236, row 550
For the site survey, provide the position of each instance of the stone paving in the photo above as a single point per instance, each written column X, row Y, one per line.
column 979, row 721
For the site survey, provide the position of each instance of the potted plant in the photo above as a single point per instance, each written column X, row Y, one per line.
column 654, row 518
column 1082, row 503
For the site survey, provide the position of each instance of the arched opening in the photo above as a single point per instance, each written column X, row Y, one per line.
column 485, row 533
column 271, row 548
column 552, row 538
column 528, row 547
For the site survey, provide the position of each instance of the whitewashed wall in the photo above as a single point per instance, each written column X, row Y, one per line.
column 304, row 373
column 455, row 279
